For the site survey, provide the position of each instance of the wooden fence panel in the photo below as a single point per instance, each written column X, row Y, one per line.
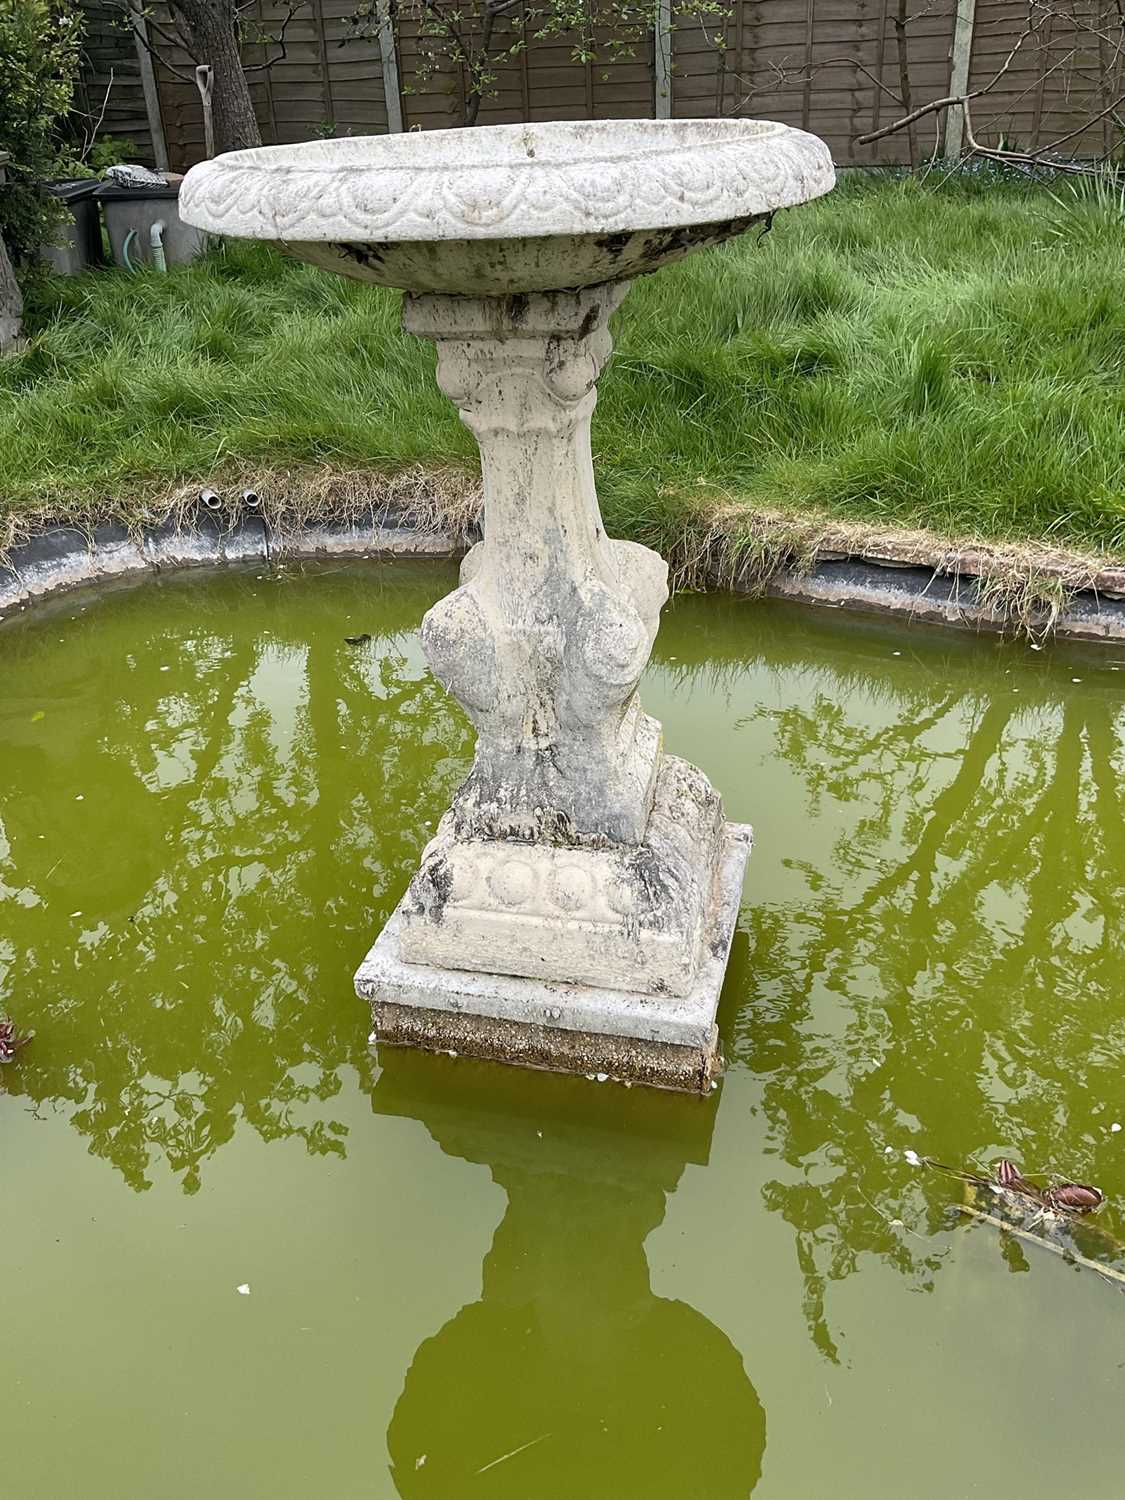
column 1050, row 88
column 329, row 81
column 841, row 68
column 109, row 86
column 558, row 87
column 543, row 82
column 830, row 66
column 355, row 72
column 428, row 103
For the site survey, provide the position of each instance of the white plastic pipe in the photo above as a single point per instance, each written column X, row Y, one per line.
column 156, row 244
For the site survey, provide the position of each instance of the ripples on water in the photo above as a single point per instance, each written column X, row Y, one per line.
column 467, row 1280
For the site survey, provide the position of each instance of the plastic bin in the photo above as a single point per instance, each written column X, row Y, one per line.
column 130, row 214
column 75, row 243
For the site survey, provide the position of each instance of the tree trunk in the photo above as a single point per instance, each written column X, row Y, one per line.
column 900, row 23
column 212, row 27
column 11, row 306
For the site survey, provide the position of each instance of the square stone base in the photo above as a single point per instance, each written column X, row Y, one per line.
column 665, row 1041
column 623, row 917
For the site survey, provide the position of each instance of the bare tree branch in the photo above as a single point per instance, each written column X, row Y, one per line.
column 1089, row 76
column 900, row 24
column 173, row 35
column 91, row 135
column 161, row 58
column 273, row 41
column 1042, row 154
column 950, row 99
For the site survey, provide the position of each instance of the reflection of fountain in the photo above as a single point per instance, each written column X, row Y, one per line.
column 569, row 1356
column 576, row 905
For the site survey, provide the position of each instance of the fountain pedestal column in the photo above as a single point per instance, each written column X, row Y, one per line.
column 576, row 906
column 590, row 876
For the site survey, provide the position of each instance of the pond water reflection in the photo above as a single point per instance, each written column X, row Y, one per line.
column 568, row 1343
column 468, row 1280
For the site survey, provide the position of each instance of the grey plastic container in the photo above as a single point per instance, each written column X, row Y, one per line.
column 130, row 214
column 76, row 243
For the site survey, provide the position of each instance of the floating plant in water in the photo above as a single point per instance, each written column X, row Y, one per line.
column 1061, row 1197
column 11, row 1040
column 1051, row 1216
column 1012, row 1187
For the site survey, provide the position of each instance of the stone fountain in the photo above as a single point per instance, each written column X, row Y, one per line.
column 576, row 906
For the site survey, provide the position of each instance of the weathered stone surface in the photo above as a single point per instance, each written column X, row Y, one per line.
column 623, row 1059
column 11, row 306
column 497, row 267
column 209, row 538
column 510, row 208
column 571, row 1027
column 546, row 638
column 630, row 917
column 345, row 539
column 55, row 559
column 11, row 299
column 575, row 856
column 559, row 859
column 13, row 592
column 64, row 558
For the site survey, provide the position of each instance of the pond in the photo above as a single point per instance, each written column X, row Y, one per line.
column 243, row 1257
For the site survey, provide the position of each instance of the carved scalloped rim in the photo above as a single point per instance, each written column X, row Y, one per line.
column 622, row 176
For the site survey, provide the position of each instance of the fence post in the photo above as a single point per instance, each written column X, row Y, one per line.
column 388, row 56
column 662, row 59
column 148, row 85
column 960, row 58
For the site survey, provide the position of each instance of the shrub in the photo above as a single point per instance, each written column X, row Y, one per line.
column 39, row 52
column 108, row 151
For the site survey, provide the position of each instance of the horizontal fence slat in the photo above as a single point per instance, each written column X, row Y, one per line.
column 331, row 75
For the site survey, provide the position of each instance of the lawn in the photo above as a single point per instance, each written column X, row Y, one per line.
column 903, row 353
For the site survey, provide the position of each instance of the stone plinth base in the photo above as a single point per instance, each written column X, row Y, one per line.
column 665, row 1041
column 633, row 918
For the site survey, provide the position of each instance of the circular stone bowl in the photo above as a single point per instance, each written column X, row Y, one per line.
column 503, row 209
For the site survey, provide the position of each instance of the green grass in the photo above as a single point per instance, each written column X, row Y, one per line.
column 901, row 354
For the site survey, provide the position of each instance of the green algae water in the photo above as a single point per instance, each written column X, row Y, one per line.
column 242, row 1257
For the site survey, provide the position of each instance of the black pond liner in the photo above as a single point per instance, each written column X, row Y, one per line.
column 65, row 557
